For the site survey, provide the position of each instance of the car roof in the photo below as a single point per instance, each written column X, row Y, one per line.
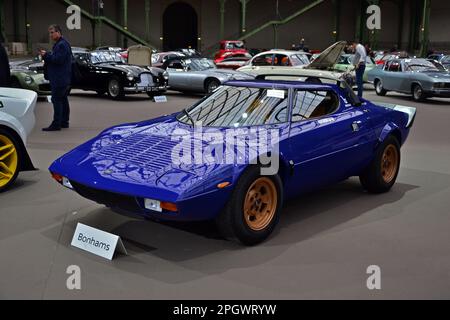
column 280, row 84
column 280, row 51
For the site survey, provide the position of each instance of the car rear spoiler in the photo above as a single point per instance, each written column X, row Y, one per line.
column 410, row 111
column 352, row 97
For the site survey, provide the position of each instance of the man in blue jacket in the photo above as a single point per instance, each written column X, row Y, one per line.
column 59, row 70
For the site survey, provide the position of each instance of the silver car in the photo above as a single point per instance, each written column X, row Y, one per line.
column 418, row 77
column 195, row 74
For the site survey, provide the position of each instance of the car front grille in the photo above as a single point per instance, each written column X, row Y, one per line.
column 146, row 80
column 109, row 199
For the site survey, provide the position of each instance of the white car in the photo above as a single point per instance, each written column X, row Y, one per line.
column 276, row 59
column 16, row 123
column 321, row 67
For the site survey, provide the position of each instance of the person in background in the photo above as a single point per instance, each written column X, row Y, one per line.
column 301, row 46
column 59, row 69
column 359, row 61
column 369, row 51
column 5, row 75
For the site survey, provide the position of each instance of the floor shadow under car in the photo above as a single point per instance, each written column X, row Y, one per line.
column 198, row 248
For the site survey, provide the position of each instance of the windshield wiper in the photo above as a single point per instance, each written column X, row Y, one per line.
column 189, row 117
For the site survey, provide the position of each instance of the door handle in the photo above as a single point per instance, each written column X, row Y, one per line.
column 356, row 126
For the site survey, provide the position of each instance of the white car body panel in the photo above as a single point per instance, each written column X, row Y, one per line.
column 17, row 110
column 291, row 72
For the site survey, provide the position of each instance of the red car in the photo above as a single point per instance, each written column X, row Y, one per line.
column 232, row 60
column 227, row 46
column 381, row 59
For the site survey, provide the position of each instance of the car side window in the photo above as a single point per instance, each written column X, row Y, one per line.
column 309, row 104
column 176, row 65
column 263, row 60
column 281, row 60
column 394, row 66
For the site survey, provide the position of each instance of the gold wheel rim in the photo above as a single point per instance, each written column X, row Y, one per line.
column 389, row 163
column 260, row 204
column 8, row 160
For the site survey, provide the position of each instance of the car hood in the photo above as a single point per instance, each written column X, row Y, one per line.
column 128, row 68
column 329, row 57
column 143, row 157
column 441, row 75
column 230, row 74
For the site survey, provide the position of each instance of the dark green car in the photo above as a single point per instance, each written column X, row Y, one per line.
column 30, row 80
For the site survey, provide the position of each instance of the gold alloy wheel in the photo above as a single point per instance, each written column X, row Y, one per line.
column 8, row 160
column 260, row 204
column 389, row 163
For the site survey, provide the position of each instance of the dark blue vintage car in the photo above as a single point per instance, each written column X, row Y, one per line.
column 239, row 153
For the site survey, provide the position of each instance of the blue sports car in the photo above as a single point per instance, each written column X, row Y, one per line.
column 236, row 155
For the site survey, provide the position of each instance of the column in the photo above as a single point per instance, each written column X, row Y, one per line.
column 425, row 28
column 147, row 20
column 222, row 19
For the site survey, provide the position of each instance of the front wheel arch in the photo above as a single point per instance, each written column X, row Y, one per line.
column 390, row 129
column 25, row 164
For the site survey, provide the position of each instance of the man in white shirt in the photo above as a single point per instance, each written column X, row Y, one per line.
column 359, row 61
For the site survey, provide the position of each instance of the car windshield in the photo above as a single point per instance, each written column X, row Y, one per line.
column 446, row 60
column 348, row 59
column 344, row 59
column 299, row 59
column 234, row 45
column 201, row 64
column 239, row 107
column 420, row 65
column 102, row 57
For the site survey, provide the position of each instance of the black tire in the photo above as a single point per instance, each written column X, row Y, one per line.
column 15, row 83
column 19, row 155
column 115, row 88
column 377, row 178
column 379, row 88
column 417, row 93
column 151, row 95
column 232, row 222
column 211, row 85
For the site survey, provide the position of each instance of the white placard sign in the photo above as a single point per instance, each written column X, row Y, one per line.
column 160, row 99
column 275, row 94
column 98, row 242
